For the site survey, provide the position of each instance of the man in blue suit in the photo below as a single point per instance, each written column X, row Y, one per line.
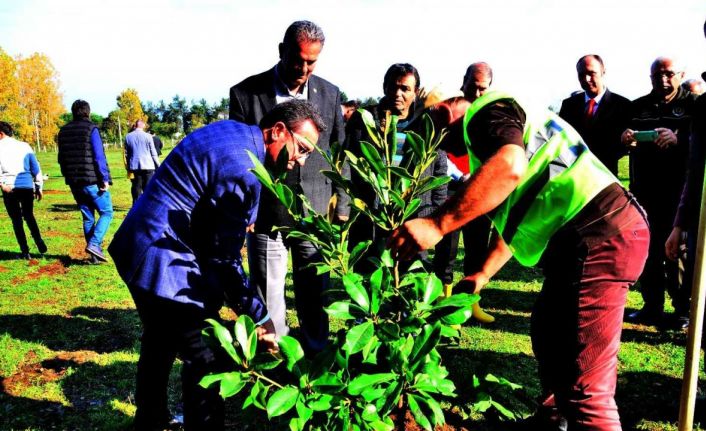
column 179, row 252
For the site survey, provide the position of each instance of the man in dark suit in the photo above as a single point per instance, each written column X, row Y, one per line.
column 292, row 78
column 609, row 113
column 179, row 252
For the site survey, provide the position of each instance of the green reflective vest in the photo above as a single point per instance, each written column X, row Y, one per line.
column 562, row 177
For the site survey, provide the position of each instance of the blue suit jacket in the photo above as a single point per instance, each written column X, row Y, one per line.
column 182, row 239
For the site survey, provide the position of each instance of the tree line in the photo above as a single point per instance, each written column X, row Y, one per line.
column 31, row 101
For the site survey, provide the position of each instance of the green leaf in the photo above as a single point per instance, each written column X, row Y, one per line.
column 285, row 195
column 293, row 354
column 503, row 411
column 386, row 259
column 226, row 340
column 437, row 414
column 432, row 289
column 412, row 208
column 424, row 343
column 210, row 379
column 431, row 183
column 482, row 403
column 371, row 155
column 260, row 172
column 282, row 401
column 345, row 310
column 303, row 411
column 419, row 416
column 354, row 286
column 265, row 361
column 358, row 337
column 231, row 384
column 246, row 336
column 457, row 318
column 370, row 351
column 372, row 393
column 390, row 398
column 364, row 381
column 327, row 382
column 321, row 403
column 358, row 252
column 255, row 398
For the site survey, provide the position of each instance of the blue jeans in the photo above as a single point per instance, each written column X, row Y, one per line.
column 91, row 199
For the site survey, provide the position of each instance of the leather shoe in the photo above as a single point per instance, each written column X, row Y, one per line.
column 645, row 317
column 676, row 322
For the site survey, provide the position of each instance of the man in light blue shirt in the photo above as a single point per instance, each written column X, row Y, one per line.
column 141, row 158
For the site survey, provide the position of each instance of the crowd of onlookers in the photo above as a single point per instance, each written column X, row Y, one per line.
column 206, row 220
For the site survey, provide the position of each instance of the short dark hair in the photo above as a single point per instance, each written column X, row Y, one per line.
column 399, row 70
column 586, row 57
column 303, row 31
column 80, row 109
column 292, row 113
column 6, row 128
column 351, row 104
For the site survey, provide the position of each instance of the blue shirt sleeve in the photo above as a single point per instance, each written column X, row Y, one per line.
column 99, row 153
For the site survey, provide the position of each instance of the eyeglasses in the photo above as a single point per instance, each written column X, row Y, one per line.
column 666, row 74
column 302, row 150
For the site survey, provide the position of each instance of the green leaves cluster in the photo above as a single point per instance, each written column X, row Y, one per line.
column 385, row 360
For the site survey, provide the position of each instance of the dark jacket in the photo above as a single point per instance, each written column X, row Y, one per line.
column 602, row 132
column 250, row 100
column 76, row 158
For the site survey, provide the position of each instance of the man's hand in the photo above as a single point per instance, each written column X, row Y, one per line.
column 414, row 236
column 674, row 243
column 665, row 138
column 38, row 195
column 628, row 138
column 472, row 283
column 105, row 187
column 6, row 188
column 266, row 336
column 250, row 228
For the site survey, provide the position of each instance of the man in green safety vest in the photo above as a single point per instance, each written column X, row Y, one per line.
column 551, row 203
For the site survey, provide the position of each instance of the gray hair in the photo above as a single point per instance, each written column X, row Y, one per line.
column 303, row 31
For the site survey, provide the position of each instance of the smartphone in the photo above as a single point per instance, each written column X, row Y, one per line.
column 645, row 136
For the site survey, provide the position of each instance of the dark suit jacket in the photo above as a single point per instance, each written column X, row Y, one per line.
column 251, row 99
column 602, row 132
column 182, row 239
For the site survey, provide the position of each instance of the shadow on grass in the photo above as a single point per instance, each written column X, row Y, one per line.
column 85, row 328
column 641, row 397
column 90, row 389
column 66, row 208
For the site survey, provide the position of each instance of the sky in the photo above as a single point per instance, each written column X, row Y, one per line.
column 199, row 49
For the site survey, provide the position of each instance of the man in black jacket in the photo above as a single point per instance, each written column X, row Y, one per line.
column 291, row 78
column 85, row 170
column 602, row 124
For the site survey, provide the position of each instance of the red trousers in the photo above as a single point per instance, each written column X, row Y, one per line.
column 577, row 320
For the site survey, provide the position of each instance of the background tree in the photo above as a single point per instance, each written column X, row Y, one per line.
column 40, row 99
column 10, row 109
column 130, row 105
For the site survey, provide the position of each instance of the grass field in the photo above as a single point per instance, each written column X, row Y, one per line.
column 69, row 336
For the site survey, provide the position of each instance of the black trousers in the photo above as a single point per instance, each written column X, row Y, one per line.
column 20, row 205
column 172, row 329
column 139, row 183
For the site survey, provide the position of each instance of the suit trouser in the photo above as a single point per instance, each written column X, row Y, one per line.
column 20, row 205
column 268, row 257
column 662, row 274
column 172, row 329
column 139, row 182
column 577, row 319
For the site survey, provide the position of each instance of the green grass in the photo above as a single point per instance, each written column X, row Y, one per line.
column 69, row 336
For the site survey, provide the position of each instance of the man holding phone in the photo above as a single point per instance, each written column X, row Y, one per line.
column 658, row 140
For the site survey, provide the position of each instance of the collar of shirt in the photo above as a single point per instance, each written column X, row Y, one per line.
column 598, row 98
column 282, row 93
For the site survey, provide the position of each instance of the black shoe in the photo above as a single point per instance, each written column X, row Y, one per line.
column 25, row 256
column 645, row 317
column 92, row 260
column 676, row 322
column 96, row 251
column 42, row 247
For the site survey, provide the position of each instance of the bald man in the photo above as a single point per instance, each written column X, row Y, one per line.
column 657, row 174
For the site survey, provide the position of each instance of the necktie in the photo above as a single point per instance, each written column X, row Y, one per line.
column 590, row 108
